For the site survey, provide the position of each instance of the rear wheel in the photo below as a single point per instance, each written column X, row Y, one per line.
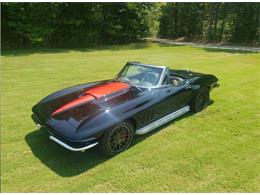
column 117, row 139
column 200, row 101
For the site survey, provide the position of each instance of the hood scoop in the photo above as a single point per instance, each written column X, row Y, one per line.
column 92, row 94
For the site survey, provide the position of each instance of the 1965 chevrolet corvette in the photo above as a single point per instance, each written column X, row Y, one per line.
column 108, row 113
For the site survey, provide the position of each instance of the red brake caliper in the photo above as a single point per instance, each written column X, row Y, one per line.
column 123, row 136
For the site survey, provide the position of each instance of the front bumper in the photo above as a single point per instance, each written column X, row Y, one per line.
column 66, row 143
column 82, row 149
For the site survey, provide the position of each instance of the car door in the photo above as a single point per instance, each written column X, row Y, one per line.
column 167, row 98
column 174, row 97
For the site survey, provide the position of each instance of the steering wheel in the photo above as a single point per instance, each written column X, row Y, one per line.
column 151, row 77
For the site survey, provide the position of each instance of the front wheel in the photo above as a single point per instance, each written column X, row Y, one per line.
column 117, row 139
column 200, row 101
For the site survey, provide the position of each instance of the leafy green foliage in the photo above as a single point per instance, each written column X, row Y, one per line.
column 76, row 24
column 235, row 22
column 86, row 24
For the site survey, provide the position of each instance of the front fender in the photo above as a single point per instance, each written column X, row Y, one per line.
column 108, row 117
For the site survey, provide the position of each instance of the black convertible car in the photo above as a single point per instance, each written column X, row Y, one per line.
column 108, row 113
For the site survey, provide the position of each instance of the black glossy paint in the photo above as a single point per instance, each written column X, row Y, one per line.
column 141, row 106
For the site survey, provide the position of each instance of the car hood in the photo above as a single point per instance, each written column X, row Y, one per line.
column 71, row 108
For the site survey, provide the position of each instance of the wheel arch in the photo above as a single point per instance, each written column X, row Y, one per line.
column 133, row 121
column 130, row 120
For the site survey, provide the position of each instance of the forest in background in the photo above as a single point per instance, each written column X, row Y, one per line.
column 227, row 22
column 88, row 24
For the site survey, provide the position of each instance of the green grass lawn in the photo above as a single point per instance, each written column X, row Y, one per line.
column 216, row 150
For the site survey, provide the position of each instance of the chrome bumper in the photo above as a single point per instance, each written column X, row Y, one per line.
column 71, row 148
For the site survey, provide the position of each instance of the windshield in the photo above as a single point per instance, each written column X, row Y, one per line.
column 141, row 75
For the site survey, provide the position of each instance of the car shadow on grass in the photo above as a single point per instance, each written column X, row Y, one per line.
column 60, row 160
column 68, row 164
column 143, row 137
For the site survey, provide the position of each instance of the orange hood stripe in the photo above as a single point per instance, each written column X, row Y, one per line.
column 92, row 94
column 78, row 101
column 107, row 89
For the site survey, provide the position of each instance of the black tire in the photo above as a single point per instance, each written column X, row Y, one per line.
column 117, row 139
column 200, row 100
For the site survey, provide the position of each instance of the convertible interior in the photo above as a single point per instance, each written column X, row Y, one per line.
column 150, row 79
column 150, row 76
column 176, row 80
column 146, row 79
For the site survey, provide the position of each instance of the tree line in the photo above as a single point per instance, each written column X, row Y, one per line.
column 87, row 24
column 75, row 24
column 229, row 22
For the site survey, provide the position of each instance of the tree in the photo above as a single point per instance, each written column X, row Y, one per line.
column 76, row 24
column 234, row 22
